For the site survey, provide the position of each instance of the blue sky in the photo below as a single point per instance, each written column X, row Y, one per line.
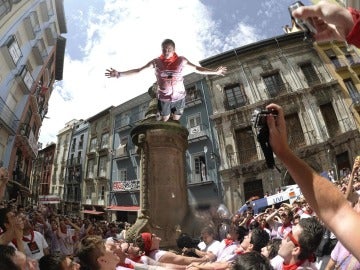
column 126, row 34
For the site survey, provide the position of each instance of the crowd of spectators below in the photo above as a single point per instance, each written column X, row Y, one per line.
column 39, row 232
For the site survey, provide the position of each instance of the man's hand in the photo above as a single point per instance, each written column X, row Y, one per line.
column 331, row 21
column 111, row 73
column 277, row 131
column 221, row 70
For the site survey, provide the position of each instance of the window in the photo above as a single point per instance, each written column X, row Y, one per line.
column 246, row 146
column 122, row 175
column 93, row 144
column 79, row 157
column 102, row 166
column 105, row 140
column 348, row 55
column 274, row 84
column 200, row 168
column 102, row 193
column 88, row 192
column 73, row 145
column 26, row 77
column 90, row 168
column 81, row 141
column 5, row 8
column 353, row 92
column 191, row 94
column 253, row 188
column 310, row 74
column 333, row 58
column 330, row 119
column 295, row 133
column 235, row 96
column 14, row 49
column 194, row 120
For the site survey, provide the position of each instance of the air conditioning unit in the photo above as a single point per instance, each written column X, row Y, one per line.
column 195, row 130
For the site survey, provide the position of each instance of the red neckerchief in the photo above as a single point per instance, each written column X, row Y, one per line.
column 127, row 265
column 32, row 234
column 284, row 226
column 292, row 266
column 136, row 259
column 228, row 242
column 172, row 59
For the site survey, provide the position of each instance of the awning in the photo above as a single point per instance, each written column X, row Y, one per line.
column 92, row 212
column 130, row 208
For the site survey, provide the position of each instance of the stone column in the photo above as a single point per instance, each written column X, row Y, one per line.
column 163, row 184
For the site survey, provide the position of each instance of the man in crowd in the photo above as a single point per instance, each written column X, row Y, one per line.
column 298, row 247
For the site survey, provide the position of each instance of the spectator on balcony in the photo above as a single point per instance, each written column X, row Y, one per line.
column 169, row 74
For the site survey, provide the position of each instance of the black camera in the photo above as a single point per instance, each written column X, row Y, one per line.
column 259, row 117
column 259, row 121
column 305, row 25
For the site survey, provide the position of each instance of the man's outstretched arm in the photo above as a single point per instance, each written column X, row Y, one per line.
column 326, row 200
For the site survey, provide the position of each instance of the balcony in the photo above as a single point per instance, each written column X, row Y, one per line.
column 8, row 118
column 126, row 185
column 27, row 140
column 32, row 25
column 44, row 11
column 39, row 51
column 121, row 152
column 340, row 64
column 246, row 155
column 198, row 133
column 193, row 97
column 50, row 34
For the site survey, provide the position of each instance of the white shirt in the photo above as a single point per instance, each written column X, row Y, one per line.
column 213, row 247
column 37, row 251
column 227, row 253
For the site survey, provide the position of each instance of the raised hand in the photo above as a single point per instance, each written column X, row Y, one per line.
column 112, row 73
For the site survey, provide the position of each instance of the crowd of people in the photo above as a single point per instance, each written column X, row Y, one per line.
column 284, row 236
column 318, row 231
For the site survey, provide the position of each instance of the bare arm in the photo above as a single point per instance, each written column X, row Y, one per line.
column 221, row 70
column 113, row 73
column 170, row 257
column 334, row 210
column 331, row 265
column 349, row 188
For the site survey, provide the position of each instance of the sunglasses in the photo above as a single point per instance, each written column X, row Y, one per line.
column 292, row 239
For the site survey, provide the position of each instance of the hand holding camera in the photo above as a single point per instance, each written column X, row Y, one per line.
column 305, row 24
column 260, row 122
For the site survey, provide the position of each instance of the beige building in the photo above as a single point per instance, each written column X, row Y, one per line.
column 286, row 70
column 31, row 61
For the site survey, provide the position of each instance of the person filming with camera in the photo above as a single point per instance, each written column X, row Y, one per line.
column 335, row 211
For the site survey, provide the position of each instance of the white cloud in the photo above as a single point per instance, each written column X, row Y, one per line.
column 127, row 34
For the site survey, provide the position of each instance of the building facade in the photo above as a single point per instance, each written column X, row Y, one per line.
column 31, row 56
column 289, row 71
column 96, row 181
column 75, row 167
column 41, row 172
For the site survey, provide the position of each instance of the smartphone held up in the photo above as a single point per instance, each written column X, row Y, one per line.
column 306, row 25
